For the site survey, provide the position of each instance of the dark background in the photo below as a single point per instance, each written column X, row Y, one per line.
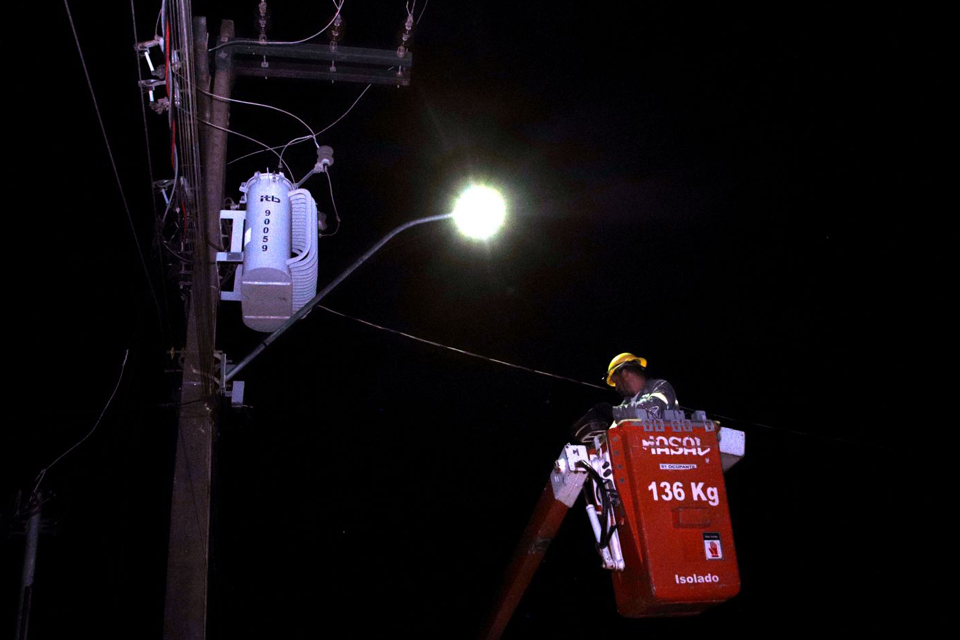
column 743, row 196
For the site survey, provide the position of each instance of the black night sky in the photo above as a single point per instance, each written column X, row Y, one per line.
column 741, row 195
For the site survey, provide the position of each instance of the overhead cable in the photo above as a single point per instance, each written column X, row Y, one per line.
column 246, row 41
column 461, row 351
column 153, row 199
column 580, row 382
column 304, row 138
column 349, row 109
column 333, row 202
column 156, row 27
column 312, row 136
column 265, row 146
column 413, row 8
column 422, row 11
column 300, row 139
column 793, row 431
column 242, row 135
column 43, row 472
column 116, row 173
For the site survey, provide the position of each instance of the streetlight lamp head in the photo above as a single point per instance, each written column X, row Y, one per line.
column 479, row 212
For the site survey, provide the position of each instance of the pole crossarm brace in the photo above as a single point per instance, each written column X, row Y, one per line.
column 316, row 62
column 305, row 309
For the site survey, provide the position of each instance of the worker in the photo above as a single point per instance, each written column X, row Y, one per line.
column 628, row 373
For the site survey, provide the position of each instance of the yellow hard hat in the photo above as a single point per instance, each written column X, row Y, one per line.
column 619, row 361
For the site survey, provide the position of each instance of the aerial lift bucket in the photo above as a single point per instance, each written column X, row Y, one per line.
column 667, row 535
column 673, row 520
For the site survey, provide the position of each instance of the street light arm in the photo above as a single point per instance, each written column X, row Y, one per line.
column 305, row 309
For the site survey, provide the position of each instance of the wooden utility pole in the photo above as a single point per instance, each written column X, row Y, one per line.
column 29, row 566
column 185, row 607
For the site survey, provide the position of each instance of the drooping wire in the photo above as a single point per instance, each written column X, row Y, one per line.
column 300, row 139
column 312, row 136
column 329, row 126
column 265, row 146
column 460, row 351
column 334, row 203
column 818, row 436
column 143, row 109
column 588, row 384
column 422, row 11
column 277, row 43
column 156, row 27
column 412, row 8
column 153, row 201
column 116, row 173
column 242, row 135
column 296, row 141
column 283, row 149
column 43, row 472
column 158, row 225
column 176, row 255
column 259, row 151
column 349, row 109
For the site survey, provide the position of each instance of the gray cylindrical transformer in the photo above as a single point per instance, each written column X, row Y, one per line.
column 266, row 285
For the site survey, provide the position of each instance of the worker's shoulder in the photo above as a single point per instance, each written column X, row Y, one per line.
column 659, row 384
column 662, row 388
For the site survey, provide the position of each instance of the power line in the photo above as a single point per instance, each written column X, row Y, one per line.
column 274, row 43
column 818, row 436
column 334, row 203
column 43, row 472
column 236, row 133
column 265, row 106
column 153, row 201
column 265, row 146
column 461, row 351
column 411, row 9
column 304, row 138
column 586, row 384
column 116, row 173
column 349, row 109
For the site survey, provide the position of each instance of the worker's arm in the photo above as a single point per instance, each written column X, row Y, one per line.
column 595, row 421
column 659, row 397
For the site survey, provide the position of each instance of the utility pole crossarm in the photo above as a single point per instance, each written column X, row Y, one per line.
column 316, row 62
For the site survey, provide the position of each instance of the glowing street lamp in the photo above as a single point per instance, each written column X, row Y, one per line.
column 479, row 213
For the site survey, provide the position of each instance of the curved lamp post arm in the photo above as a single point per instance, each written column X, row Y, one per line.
column 305, row 309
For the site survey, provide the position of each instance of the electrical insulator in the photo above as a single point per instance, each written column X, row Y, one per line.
column 263, row 21
column 336, row 33
column 405, row 36
column 276, row 241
